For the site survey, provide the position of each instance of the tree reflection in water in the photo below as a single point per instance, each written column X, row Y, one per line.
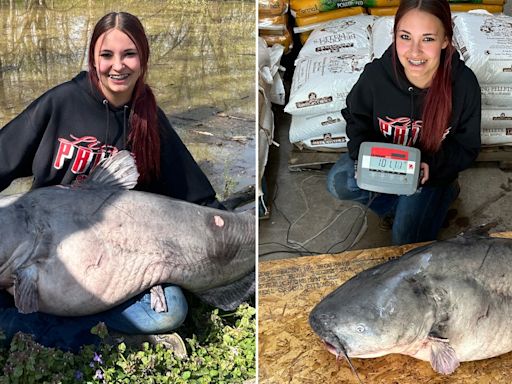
column 203, row 52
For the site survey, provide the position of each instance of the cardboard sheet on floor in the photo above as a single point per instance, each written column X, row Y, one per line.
column 290, row 352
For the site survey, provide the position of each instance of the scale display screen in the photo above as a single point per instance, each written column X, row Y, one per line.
column 388, row 165
column 388, row 168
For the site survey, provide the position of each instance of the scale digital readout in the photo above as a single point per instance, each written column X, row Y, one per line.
column 388, row 168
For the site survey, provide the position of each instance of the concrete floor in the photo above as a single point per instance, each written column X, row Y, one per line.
column 304, row 219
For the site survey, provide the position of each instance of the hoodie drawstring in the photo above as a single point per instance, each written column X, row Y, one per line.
column 411, row 89
column 107, row 134
column 105, row 103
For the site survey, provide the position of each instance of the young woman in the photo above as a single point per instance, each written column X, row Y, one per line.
column 418, row 94
column 63, row 134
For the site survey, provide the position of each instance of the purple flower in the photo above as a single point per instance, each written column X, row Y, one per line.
column 79, row 375
column 98, row 375
column 97, row 358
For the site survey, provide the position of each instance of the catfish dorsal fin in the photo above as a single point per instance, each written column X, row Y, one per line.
column 117, row 171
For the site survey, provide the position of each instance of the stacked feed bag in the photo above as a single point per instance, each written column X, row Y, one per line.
column 492, row 6
column 389, row 7
column 270, row 90
column 273, row 24
column 310, row 14
column 326, row 68
column 485, row 43
column 382, row 35
column 381, row 7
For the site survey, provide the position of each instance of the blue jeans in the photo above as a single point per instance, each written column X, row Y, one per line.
column 417, row 217
column 134, row 316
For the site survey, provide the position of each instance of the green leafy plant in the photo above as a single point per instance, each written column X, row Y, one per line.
column 224, row 352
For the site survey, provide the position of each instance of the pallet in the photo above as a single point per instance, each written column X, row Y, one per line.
column 501, row 154
column 299, row 160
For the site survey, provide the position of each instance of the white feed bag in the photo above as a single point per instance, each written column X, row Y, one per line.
column 497, row 118
column 494, row 136
column 306, row 127
column 498, row 95
column 340, row 36
column 269, row 76
column 319, row 132
column 485, row 42
column 328, row 141
column 382, row 35
column 321, row 84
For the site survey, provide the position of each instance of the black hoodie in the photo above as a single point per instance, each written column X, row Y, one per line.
column 68, row 129
column 381, row 108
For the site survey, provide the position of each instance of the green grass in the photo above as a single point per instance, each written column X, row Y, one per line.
column 221, row 350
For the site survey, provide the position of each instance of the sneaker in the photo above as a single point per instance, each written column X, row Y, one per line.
column 386, row 223
column 170, row 341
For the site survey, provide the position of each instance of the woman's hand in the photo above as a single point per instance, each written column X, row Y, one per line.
column 424, row 173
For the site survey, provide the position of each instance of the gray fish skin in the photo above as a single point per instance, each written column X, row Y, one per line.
column 446, row 303
column 81, row 250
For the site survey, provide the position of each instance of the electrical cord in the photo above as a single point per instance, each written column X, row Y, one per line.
column 293, row 247
column 373, row 195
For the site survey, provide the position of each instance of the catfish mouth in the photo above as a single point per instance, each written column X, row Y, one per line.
column 336, row 347
column 332, row 349
column 332, row 342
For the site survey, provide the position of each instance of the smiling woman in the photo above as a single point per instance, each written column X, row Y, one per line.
column 420, row 39
column 117, row 64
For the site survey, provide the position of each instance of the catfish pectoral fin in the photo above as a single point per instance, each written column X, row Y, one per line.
column 158, row 303
column 26, row 297
column 442, row 356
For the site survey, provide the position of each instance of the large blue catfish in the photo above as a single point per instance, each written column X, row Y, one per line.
column 446, row 302
column 84, row 248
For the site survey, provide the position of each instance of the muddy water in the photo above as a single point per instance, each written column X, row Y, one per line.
column 202, row 64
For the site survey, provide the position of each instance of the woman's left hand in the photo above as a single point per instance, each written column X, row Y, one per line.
column 424, row 173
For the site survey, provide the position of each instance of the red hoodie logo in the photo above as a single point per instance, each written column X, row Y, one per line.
column 84, row 152
column 400, row 130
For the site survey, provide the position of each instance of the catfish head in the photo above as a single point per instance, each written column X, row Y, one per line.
column 380, row 311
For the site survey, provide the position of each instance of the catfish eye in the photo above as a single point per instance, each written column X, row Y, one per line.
column 360, row 328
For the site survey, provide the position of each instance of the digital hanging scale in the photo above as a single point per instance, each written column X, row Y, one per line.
column 388, row 168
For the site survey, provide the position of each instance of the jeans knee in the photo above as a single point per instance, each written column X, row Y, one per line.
column 341, row 187
column 177, row 309
column 137, row 316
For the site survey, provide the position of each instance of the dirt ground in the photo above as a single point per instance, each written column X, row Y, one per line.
column 223, row 145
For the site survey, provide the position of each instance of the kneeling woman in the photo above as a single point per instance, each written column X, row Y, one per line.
column 69, row 129
column 418, row 94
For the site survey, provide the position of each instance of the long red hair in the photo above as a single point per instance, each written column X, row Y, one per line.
column 144, row 137
column 437, row 107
